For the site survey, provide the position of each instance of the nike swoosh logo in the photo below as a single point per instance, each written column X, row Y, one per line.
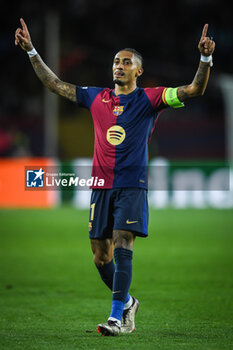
column 117, row 291
column 105, row 101
column 130, row 222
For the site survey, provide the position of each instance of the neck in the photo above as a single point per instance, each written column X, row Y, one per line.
column 126, row 89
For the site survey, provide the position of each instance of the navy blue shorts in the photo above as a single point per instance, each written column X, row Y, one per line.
column 118, row 209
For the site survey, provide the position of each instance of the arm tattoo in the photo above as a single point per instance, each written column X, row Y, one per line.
column 51, row 81
column 202, row 76
column 182, row 93
column 198, row 85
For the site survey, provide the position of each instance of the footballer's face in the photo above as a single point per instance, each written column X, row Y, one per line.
column 126, row 68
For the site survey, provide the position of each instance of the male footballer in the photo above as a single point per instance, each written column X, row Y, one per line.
column 124, row 119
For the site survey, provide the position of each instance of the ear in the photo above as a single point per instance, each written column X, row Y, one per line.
column 139, row 72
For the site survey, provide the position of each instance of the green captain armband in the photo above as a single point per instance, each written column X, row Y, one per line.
column 170, row 98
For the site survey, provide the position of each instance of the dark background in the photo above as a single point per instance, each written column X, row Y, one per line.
column 91, row 32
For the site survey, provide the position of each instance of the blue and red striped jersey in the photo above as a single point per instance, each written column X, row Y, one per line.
column 123, row 126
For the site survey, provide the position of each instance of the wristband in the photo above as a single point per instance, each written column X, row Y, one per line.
column 170, row 98
column 207, row 59
column 32, row 53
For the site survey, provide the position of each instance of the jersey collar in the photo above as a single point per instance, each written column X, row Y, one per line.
column 126, row 95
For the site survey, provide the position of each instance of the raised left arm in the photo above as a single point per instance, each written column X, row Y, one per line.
column 206, row 47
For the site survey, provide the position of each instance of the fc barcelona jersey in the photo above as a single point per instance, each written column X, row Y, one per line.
column 123, row 126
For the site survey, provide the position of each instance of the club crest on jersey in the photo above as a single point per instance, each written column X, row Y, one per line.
column 118, row 110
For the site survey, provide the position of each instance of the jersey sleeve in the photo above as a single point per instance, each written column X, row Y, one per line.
column 86, row 95
column 155, row 97
column 162, row 97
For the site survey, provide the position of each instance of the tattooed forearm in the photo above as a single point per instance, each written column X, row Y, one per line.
column 51, row 81
column 198, row 85
column 201, row 78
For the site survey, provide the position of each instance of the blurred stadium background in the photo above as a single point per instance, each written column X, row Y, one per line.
column 78, row 40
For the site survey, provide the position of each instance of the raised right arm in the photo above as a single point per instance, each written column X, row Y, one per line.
column 44, row 73
column 51, row 81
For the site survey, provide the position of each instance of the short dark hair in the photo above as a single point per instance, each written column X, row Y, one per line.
column 135, row 52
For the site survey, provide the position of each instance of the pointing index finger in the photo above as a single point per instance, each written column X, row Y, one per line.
column 204, row 31
column 23, row 24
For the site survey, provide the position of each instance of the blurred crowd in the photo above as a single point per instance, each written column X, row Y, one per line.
column 91, row 32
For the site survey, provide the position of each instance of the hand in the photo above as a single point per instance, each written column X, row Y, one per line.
column 206, row 45
column 22, row 37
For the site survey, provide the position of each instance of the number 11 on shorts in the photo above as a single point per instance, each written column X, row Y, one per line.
column 92, row 211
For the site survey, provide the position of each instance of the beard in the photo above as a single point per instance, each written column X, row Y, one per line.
column 118, row 82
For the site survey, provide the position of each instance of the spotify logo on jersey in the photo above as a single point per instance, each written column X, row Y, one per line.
column 115, row 135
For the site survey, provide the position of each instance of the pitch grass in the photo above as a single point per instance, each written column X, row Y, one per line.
column 51, row 296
